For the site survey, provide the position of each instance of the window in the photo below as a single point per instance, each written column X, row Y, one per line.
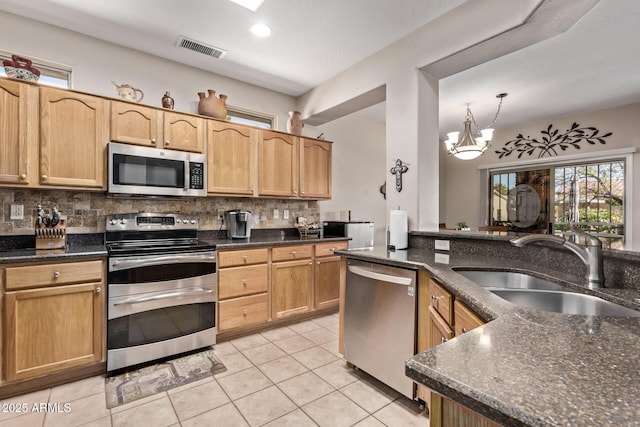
column 51, row 74
column 252, row 118
column 589, row 194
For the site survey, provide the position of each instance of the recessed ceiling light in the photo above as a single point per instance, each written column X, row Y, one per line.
column 252, row 5
column 260, row 30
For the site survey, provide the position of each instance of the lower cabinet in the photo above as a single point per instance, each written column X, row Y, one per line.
column 326, row 275
column 243, row 284
column 291, row 287
column 54, row 328
column 447, row 319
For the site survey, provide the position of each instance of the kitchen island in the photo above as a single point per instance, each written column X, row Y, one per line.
column 528, row 367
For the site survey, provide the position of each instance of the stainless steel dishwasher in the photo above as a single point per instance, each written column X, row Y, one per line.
column 379, row 321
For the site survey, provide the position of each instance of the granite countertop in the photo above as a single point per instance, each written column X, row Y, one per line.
column 529, row 367
column 31, row 255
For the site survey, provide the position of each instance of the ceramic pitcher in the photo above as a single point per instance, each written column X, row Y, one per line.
column 212, row 106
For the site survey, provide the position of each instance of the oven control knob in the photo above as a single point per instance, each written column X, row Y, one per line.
column 185, row 221
column 193, row 221
column 113, row 221
column 123, row 220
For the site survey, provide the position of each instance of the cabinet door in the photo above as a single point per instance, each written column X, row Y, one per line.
column 278, row 165
column 72, row 139
column 183, row 132
column 465, row 318
column 315, row 169
column 18, row 132
column 135, row 124
column 232, row 156
column 52, row 329
column 291, row 287
column 447, row 413
column 440, row 331
column 327, row 282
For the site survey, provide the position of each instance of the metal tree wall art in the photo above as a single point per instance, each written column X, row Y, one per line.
column 552, row 140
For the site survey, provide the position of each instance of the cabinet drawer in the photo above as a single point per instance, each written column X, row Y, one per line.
column 326, row 249
column 243, row 311
column 243, row 257
column 441, row 300
column 237, row 281
column 465, row 319
column 288, row 253
column 30, row 276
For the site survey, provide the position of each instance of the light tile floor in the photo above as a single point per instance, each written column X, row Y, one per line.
column 290, row 376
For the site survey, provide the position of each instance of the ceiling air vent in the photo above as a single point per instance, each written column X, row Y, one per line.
column 199, row 47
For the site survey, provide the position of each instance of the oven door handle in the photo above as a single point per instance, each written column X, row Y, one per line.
column 128, row 262
column 199, row 291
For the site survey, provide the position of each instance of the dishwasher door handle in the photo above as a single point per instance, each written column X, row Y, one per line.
column 398, row 280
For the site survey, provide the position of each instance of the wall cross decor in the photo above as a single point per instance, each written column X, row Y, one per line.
column 552, row 140
column 398, row 170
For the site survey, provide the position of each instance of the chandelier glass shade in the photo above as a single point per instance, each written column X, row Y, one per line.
column 470, row 146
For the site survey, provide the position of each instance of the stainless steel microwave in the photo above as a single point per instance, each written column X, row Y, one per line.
column 143, row 171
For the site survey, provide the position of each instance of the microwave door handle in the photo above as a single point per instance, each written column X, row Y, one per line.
column 199, row 291
column 127, row 263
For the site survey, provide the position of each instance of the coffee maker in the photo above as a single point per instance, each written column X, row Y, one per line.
column 238, row 224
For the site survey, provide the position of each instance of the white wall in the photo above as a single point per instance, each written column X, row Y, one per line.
column 358, row 171
column 463, row 193
column 96, row 63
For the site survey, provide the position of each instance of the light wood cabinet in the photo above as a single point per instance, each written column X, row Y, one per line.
column 232, row 157
column 54, row 327
column 151, row 127
column 243, row 285
column 449, row 318
column 72, row 139
column 277, row 164
column 326, row 274
column 291, row 287
column 18, row 133
column 315, row 169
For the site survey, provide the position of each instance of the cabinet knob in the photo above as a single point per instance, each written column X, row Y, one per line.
column 153, row 140
column 244, row 282
column 293, row 253
column 295, row 192
column 253, row 191
column 167, row 142
column 23, row 177
column 56, row 274
column 302, row 192
column 465, row 330
column 435, row 298
column 443, row 339
column 318, row 262
column 44, row 177
column 98, row 290
column 244, row 258
column 244, row 312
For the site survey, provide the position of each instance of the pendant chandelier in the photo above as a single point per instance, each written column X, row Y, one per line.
column 470, row 146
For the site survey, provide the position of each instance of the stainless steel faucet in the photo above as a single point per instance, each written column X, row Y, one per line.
column 590, row 253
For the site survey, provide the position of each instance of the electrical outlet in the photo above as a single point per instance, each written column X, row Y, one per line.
column 285, row 214
column 17, row 211
column 276, row 214
column 220, row 215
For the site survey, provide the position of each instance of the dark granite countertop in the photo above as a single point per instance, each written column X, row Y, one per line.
column 31, row 255
column 529, row 367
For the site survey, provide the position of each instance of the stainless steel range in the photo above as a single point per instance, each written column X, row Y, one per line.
column 162, row 289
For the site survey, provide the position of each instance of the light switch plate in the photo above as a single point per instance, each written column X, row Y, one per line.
column 442, row 258
column 220, row 215
column 17, row 211
column 285, row 214
column 442, row 245
column 276, row 214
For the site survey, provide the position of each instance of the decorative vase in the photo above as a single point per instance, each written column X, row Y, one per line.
column 212, row 106
column 294, row 124
column 167, row 101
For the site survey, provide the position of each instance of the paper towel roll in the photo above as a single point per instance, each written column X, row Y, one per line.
column 398, row 229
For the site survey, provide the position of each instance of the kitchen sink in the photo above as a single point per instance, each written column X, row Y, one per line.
column 508, row 280
column 564, row 302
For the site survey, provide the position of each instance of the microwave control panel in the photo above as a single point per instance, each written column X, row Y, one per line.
column 196, row 175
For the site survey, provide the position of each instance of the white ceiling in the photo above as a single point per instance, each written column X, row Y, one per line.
column 593, row 65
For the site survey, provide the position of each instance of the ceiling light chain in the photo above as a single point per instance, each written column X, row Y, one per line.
column 470, row 147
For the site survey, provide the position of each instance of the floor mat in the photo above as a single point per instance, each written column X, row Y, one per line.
column 149, row 380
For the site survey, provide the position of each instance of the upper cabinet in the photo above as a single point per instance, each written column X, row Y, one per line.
column 73, row 135
column 232, row 155
column 278, row 164
column 315, row 169
column 152, row 127
column 18, row 132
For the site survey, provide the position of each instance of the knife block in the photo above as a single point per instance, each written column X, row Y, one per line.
column 52, row 237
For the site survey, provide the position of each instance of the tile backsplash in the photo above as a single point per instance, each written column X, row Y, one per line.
column 86, row 210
